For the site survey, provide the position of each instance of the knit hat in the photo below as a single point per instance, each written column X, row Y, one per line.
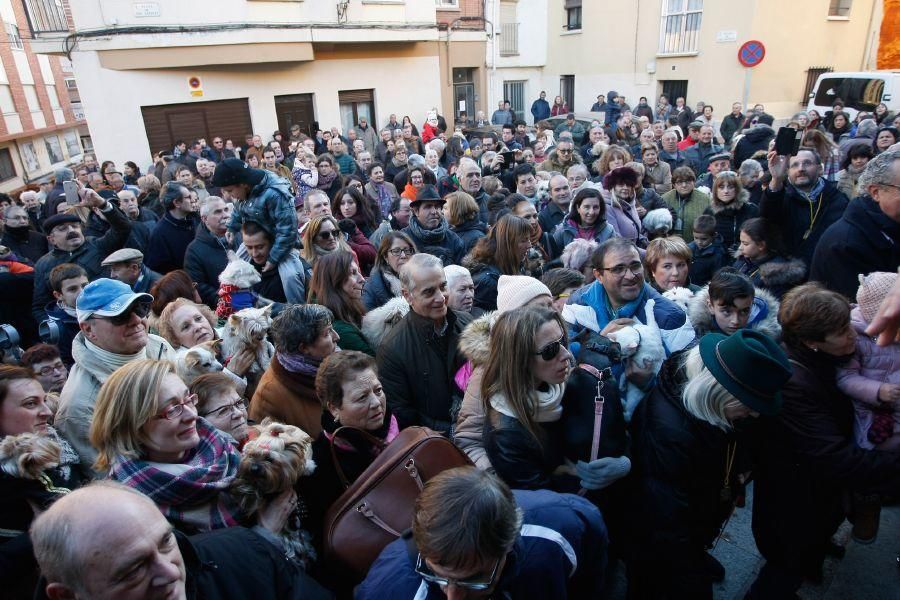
column 515, row 291
column 233, row 171
column 873, row 288
column 750, row 365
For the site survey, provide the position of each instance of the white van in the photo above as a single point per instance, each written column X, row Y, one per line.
column 860, row 91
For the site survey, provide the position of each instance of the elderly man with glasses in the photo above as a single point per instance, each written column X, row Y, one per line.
column 561, row 158
column 113, row 323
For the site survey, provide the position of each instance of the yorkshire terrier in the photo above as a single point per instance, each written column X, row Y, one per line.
column 245, row 329
column 271, row 463
column 28, row 455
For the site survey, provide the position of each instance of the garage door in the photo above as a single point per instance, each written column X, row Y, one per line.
column 168, row 123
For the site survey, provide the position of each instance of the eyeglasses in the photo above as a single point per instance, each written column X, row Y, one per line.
column 176, row 410
column 561, row 151
column 636, row 268
column 551, row 350
column 51, row 369
column 890, row 185
column 476, row 586
column 141, row 309
column 402, row 251
column 333, row 234
column 239, row 405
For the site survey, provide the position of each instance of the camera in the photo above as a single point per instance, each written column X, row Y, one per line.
column 48, row 331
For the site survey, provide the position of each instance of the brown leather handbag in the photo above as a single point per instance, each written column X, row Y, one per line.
column 379, row 505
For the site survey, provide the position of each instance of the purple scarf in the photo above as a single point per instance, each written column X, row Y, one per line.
column 325, row 181
column 298, row 363
column 189, row 492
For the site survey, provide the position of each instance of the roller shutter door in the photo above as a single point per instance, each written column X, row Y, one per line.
column 165, row 124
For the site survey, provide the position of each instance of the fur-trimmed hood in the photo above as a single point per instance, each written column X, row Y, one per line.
column 763, row 314
column 379, row 321
column 475, row 340
column 779, row 271
column 742, row 199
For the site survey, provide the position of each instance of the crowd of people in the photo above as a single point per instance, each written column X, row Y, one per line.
column 621, row 326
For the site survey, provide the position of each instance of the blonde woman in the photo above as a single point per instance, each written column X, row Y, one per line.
column 461, row 212
column 323, row 236
column 730, row 205
column 149, row 437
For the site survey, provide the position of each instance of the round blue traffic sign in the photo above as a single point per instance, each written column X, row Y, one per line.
column 751, row 53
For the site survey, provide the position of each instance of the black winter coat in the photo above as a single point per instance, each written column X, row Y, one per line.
column 679, row 464
column 27, row 244
column 729, row 219
column 549, row 217
column 470, row 232
column 450, row 249
column 806, row 463
column 485, row 277
column 753, row 141
column 416, row 368
column 88, row 256
column 204, row 259
column 862, row 241
column 791, row 212
column 776, row 274
column 706, row 261
column 376, row 292
column 730, row 125
column 168, row 243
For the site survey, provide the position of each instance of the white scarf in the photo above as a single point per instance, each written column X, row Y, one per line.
column 547, row 405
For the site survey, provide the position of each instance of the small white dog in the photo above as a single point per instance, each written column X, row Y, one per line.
column 680, row 296
column 199, row 360
column 641, row 344
column 236, row 283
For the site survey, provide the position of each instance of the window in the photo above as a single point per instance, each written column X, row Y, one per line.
column 7, row 168
column 573, row 15
column 858, row 93
column 514, row 91
column 54, row 150
column 839, row 8
column 509, row 30
column 679, row 30
column 446, row 3
column 54, row 98
column 31, row 97
column 15, row 40
column 72, row 87
column 567, row 90
column 30, row 158
column 355, row 104
column 812, row 75
column 7, row 106
column 72, row 145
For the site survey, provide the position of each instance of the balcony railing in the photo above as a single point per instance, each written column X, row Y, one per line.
column 46, row 16
column 509, row 39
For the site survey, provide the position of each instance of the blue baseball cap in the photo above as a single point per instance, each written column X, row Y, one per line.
column 106, row 298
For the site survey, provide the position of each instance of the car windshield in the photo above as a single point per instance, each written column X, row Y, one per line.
column 858, row 93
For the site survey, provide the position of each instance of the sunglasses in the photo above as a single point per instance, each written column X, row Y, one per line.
column 324, row 235
column 141, row 309
column 551, row 350
column 476, row 586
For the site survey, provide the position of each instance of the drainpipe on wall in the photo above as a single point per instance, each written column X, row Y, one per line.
column 453, row 24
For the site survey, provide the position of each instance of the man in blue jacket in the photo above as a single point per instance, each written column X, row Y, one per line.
column 522, row 544
column 540, row 108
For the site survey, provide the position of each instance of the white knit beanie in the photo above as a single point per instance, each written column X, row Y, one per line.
column 515, row 291
column 873, row 288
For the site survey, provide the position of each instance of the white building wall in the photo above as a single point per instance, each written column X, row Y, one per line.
column 113, row 99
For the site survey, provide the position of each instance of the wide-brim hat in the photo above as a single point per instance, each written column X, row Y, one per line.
column 750, row 365
column 233, row 171
column 428, row 193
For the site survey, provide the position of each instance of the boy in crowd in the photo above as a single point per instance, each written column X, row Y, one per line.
column 66, row 281
column 709, row 254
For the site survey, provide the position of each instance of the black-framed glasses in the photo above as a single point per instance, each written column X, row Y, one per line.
column 402, row 251
column 56, row 367
column 636, row 268
column 141, row 309
column 476, row 586
column 176, row 410
column 239, row 405
column 324, row 235
column 551, row 350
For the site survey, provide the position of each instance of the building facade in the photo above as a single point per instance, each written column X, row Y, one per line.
column 151, row 73
column 42, row 127
column 582, row 48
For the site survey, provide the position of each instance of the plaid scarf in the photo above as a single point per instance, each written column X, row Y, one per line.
column 189, row 492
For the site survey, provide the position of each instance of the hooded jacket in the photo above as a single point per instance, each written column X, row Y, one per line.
column 416, row 367
column 763, row 314
column 777, row 274
column 863, row 240
column 730, row 217
column 88, row 256
column 753, row 141
column 271, row 205
column 76, row 401
column 474, row 345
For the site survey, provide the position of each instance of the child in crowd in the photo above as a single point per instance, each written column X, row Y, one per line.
column 760, row 257
column 709, row 254
column 871, row 378
column 730, row 302
column 305, row 174
column 66, row 281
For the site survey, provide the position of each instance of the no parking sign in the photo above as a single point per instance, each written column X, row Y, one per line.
column 751, row 53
